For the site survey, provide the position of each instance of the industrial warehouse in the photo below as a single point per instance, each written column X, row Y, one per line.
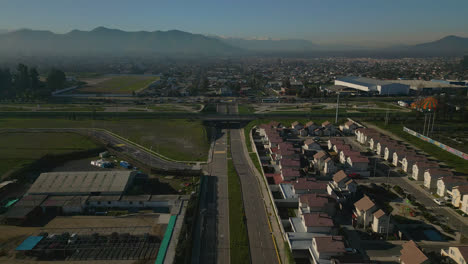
column 373, row 86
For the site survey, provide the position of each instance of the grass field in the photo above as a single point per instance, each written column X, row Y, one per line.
column 20, row 149
column 177, row 139
column 119, row 84
column 237, row 227
column 451, row 160
column 246, row 109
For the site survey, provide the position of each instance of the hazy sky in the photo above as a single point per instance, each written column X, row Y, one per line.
column 372, row 22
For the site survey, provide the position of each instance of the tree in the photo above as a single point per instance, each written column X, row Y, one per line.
column 34, row 79
column 22, row 81
column 5, row 83
column 55, row 80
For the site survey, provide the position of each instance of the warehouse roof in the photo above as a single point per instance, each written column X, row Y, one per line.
column 86, row 182
column 363, row 81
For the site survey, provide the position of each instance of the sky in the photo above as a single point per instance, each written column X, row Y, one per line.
column 360, row 22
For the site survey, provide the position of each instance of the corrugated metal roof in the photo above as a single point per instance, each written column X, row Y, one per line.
column 81, row 182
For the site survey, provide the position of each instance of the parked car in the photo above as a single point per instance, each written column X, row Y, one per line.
column 439, row 201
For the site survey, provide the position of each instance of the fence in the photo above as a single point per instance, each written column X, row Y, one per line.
column 437, row 143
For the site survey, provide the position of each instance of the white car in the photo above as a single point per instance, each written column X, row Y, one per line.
column 439, row 201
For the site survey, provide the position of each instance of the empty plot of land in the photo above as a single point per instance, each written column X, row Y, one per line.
column 125, row 84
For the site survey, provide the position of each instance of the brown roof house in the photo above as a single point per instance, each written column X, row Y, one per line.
column 319, row 159
column 432, row 175
column 445, row 184
column 419, row 167
column 408, row 161
column 329, row 166
column 333, row 141
column 321, row 203
column 316, row 222
column 358, row 163
column 411, row 254
column 364, row 210
column 326, row 247
column 457, row 195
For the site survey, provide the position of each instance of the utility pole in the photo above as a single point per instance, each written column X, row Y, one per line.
column 337, row 106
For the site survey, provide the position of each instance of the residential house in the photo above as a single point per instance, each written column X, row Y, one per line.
column 291, row 163
column 297, row 126
column 420, row 167
column 311, row 145
column 409, row 160
column 342, row 183
column 311, row 126
column 304, row 185
column 411, row 254
column 445, row 184
column 358, row 163
column 349, row 127
column 364, row 210
column 431, row 176
column 314, row 202
column 329, row 166
column 381, row 145
column 274, row 178
column 326, row 247
column 347, row 152
column 381, row 223
column 339, row 147
column 390, row 149
column 458, row 254
column 458, row 192
column 333, row 141
column 319, row 159
column 290, row 174
column 464, row 204
column 320, row 223
column 399, row 153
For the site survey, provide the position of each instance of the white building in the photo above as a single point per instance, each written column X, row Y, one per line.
column 373, row 85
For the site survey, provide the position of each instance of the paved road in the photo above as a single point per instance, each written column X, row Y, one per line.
column 262, row 249
column 135, row 152
column 212, row 230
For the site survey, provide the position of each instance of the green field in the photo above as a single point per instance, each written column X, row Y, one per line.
column 451, row 160
column 120, row 84
column 178, row 139
column 20, row 149
column 246, row 109
column 237, row 227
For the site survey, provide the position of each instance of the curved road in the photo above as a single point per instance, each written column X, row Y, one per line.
column 135, row 152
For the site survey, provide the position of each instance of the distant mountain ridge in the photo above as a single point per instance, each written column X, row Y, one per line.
column 106, row 41
column 103, row 40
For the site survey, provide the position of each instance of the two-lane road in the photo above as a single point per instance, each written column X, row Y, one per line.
column 262, row 249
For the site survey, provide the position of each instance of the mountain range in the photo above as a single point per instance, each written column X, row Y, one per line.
column 105, row 41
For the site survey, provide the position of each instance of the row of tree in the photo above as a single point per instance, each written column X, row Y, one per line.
column 24, row 83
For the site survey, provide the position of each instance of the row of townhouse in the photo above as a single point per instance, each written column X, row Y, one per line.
column 353, row 160
column 311, row 232
column 312, row 129
column 439, row 180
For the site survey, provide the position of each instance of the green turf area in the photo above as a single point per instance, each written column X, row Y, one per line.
column 120, row 84
column 237, row 227
column 177, row 139
column 451, row 160
column 254, row 158
column 245, row 109
column 21, row 149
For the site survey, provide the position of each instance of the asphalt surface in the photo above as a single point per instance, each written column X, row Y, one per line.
column 262, row 249
column 135, row 152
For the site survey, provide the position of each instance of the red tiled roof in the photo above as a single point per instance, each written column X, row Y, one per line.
column 464, row 252
column 358, row 159
column 314, row 200
column 318, row 219
column 438, row 172
column 310, row 123
column 290, row 172
column 463, row 189
column 290, row 163
column 340, row 147
column 274, row 178
column 320, row 154
column 330, row 244
column 379, row 213
column 454, row 179
column 326, row 123
column 306, row 184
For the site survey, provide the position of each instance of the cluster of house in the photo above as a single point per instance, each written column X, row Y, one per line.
column 412, row 254
column 312, row 129
column 311, row 230
column 351, row 159
column 436, row 179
